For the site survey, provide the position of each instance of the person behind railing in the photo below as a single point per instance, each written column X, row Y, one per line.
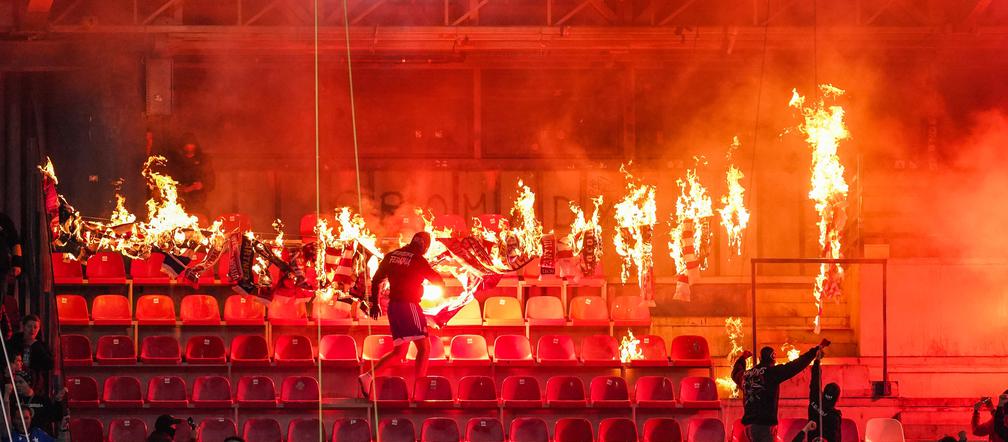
column 11, row 265
column 21, row 427
column 47, row 413
column 38, row 360
column 995, row 428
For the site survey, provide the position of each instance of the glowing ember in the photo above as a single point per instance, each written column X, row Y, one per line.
column 629, row 348
column 790, row 350
column 824, row 129
column 733, row 328
column 432, row 293
column 635, row 219
column 734, row 216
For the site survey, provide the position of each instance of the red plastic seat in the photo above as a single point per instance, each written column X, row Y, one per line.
column 609, row 392
column 199, row 309
column 350, row 430
column 71, row 310
column 455, row 223
column 439, row 429
column 256, row 392
column 338, row 351
column 390, row 391
column 204, row 350
column 160, row 350
column 503, row 311
column 600, row 351
column 437, row 356
column 788, row 428
column 285, row 311
column 148, row 271
column 690, row 351
column 375, row 347
column 661, row 429
column 654, row 351
column 654, row 392
column 565, row 392
column 705, row 430
column 66, row 271
column 698, row 392
column 617, row 429
column 212, row 392
column 556, row 350
column 235, row 222
column 570, row 429
column 513, row 351
column 739, row 433
column 293, row 350
column 249, row 350
column 529, row 429
column 111, row 310
column 106, row 268
column 215, row 429
column 484, row 429
column 469, row 350
column 589, row 311
column 331, row 313
column 521, row 392
column 630, row 311
column 261, row 430
column 477, row 392
column 242, row 310
column 396, row 430
column 433, row 392
column 82, row 391
column 544, row 311
column 299, row 392
column 167, row 392
column 115, row 350
column 305, row 430
column 126, row 430
column 122, row 392
column 155, row 310
column 469, row 316
column 76, row 350
column 849, row 431
column 90, row 430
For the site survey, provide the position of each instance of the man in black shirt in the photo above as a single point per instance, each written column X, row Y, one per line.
column 761, row 389
column 194, row 173
column 35, row 354
column 406, row 269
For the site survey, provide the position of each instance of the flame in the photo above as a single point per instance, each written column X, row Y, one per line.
column 629, row 348
column 790, row 350
column 168, row 222
column 120, row 215
column 693, row 205
column 734, row 216
column 635, row 219
column 513, row 243
column 49, row 171
column 581, row 226
column 527, row 228
column 733, row 328
column 824, row 129
column 436, row 248
column 432, row 293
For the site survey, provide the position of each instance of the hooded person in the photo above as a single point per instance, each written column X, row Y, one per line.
column 827, row 412
column 164, row 429
column 405, row 269
column 995, row 428
column 760, row 387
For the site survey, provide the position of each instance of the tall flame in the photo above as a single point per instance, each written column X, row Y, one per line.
column 526, row 227
column 582, row 225
column 734, row 216
column 693, row 205
column 733, row 328
column 824, row 129
column 635, row 219
column 513, row 243
column 630, row 348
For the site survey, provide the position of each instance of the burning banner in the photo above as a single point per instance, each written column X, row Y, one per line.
column 630, row 348
column 824, row 129
column 690, row 236
column 635, row 219
column 734, row 216
column 733, row 329
column 584, row 239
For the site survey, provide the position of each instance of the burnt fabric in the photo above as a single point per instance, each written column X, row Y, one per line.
column 761, row 386
column 406, row 269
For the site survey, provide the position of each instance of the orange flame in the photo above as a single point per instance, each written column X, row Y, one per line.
column 693, row 204
column 733, row 328
column 630, row 348
column 582, row 225
column 635, row 219
column 515, row 242
column 526, row 227
column 734, row 216
column 790, row 350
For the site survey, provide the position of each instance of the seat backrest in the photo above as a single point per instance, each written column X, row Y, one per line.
column 256, row 388
column 521, row 388
column 249, row 347
column 199, row 307
column 160, row 347
column 599, row 348
column 439, row 429
column 544, row 307
column 351, row 430
column 738, row 432
column 75, row 347
column 653, row 348
column 661, row 429
column 82, row 388
column 299, row 388
column 106, row 265
column 630, row 307
column 166, row 388
column 565, row 388
column 306, row 227
column 484, row 429
column 293, row 347
column 469, row 347
column 470, row 314
column 376, row 346
column 697, row 388
column 149, row 267
column 390, row 388
column 883, row 430
column 556, row 347
column 126, row 430
column 396, row 430
column 502, row 307
column 609, row 388
column 690, row 347
column 849, row 430
column 512, row 347
column 705, row 429
column 205, row 347
column 115, row 346
column 211, row 388
column 570, row 429
column 240, row 307
column 305, row 430
column 617, row 429
column 432, row 388
column 788, row 428
column 330, row 310
column 436, row 353
column 155, row 307
column 261, row 430
column 65, row 267
column 477, row 388
column 215, row 429
column 338, row 348
column 654, row 388
column 591, row 307
column 122, row 388
column 282, row 309
column 71, row 308
column 111, row 307
column 529, row 429
column 90, row 430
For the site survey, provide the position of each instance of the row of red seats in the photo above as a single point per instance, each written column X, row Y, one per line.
column 391, row 391
column 435, row 429
column 464, row 350
column 202, row 309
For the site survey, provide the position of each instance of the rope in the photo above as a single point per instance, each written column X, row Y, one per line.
column 318, row 188
column 17, row 398
column 759, row 105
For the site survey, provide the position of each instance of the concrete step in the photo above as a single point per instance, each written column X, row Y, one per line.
column 803, row 308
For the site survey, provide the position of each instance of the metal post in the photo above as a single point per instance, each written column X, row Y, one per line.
column 885, row 330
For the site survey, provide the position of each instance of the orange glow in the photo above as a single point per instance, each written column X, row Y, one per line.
column 734, row 215
column 635, row 219
column 630, row 348
column 733, row 329
column 693, row 206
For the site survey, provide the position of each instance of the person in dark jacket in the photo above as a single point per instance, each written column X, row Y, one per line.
column 164, row 429
column 194, row 173
column 827, row 413
column 761, row 389
column 47, row 413
column 35, row 354
column 995, row 428
column 405, row 269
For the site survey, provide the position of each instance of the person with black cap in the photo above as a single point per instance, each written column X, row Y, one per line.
column 995, row 428
column 164, row 429
column 760, row 387
column 827, row 414
column 405, row 269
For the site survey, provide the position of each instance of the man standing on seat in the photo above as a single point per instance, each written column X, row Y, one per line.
column 406, row 269
column 761, row 388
